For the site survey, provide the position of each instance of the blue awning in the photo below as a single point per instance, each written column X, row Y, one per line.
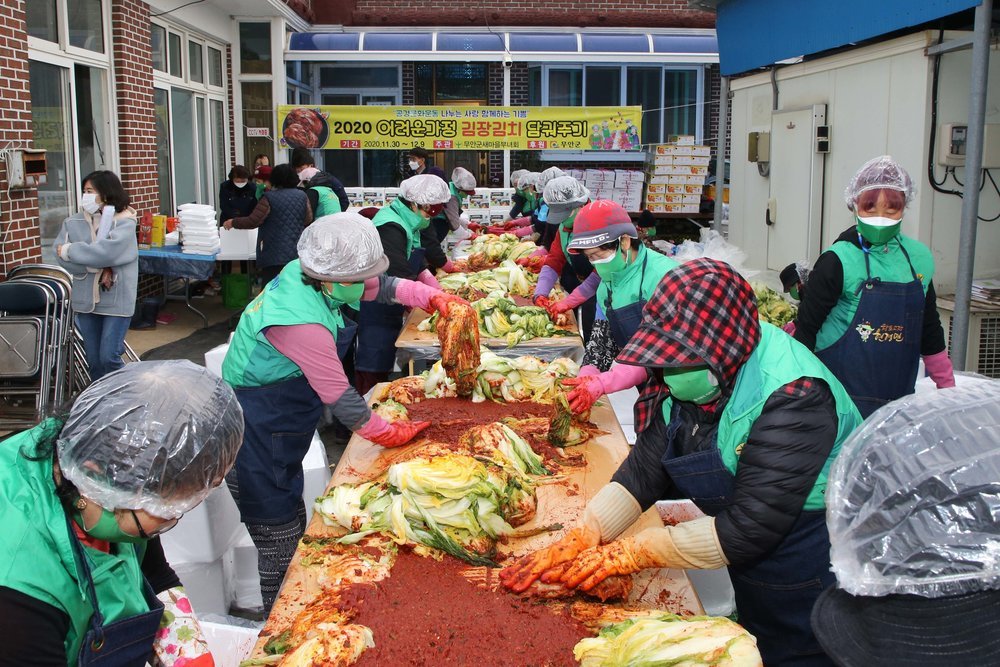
column 757, row 33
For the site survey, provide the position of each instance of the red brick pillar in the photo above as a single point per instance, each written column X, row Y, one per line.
column 19, row 232
column 133, row 86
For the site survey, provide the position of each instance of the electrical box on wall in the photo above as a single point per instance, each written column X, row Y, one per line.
column 26, row 167
column 951, row 145
column 759, row 146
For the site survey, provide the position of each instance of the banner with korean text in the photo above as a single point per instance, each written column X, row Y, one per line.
column 460, row 127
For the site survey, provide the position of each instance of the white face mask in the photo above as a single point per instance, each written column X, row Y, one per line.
column 240, row 184
column 414, row 165
column 307, row 174
column 89, row 202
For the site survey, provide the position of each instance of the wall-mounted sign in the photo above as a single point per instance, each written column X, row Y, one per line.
column 258, row 131
column 460, row 127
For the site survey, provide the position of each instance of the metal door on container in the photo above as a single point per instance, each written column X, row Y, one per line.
column 794, row 212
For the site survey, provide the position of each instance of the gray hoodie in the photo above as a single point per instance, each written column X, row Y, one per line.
column 84, row 257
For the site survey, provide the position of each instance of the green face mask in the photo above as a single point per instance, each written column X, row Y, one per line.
column 609, row 266
column 878, row 230
column 694, row 385
column 107, row 529
column 260, row 189
column 344, row 293
column 568, row 222
column 794, row 292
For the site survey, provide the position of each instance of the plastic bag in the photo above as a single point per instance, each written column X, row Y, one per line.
column 914, row 494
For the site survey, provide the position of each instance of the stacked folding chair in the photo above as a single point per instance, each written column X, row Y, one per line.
column 42, row 362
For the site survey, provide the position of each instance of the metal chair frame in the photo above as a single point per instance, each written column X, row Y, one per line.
column 21, row 300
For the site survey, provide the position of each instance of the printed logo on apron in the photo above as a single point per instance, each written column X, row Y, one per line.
column 886, row 333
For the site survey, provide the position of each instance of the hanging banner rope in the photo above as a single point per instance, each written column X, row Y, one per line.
column 460, row 127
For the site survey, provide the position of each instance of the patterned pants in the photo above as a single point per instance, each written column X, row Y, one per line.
column 276, row 545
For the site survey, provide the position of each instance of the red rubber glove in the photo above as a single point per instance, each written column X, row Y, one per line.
column 390, row 434
column 588, row 389
column 440, row 301
column 541, row 301
column 475, row 226
column 496, row 230
column 449, row 267
column 557, row 308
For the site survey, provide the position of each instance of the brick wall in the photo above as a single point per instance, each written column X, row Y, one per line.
column 611, row 13
column 133, row 85
column 19, row 234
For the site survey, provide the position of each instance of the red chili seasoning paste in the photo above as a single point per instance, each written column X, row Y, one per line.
column 451, row 417
column 427, row 613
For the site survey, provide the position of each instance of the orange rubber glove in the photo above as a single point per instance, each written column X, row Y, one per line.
column 525, row 570
column 689, row 545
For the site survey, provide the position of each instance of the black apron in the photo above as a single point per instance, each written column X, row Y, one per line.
column 124, row 643
column 345, row 335
column 625, row 321
column 575, row 271
column 268, row 472
column 379, row 326
column 877, row 357
column 774, row 596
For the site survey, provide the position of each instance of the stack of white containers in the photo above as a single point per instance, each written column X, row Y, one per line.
column 199, row 231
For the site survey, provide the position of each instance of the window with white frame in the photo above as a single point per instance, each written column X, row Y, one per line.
column 191, row 118
column 672, row 97
column 69, row 72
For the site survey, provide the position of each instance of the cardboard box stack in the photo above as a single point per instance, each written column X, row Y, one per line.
column 677, row 173
column 623, row 186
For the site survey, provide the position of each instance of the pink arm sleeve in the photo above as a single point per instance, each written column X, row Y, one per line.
column 521, row 232
column 587, row 289
column 313, row 349
column 426, row 278
column 371, row 289
column 412, row 294
column 622, row 376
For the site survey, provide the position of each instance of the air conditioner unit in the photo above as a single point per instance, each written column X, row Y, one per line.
column 983, row 350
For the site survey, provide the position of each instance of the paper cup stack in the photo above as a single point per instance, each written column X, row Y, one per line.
column 199, row 231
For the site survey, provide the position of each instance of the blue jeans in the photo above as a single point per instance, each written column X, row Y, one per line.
column 103, row 341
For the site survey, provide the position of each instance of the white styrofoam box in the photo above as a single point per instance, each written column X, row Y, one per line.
column 479, row 216
column 214, row 357
column 229, row 644
column 623, row 402
column 196, row 208
column 172, row 238
column 237, row 241
column 481, row 199
column 206, row 532
column 246, row 576
column 316, row 473
column 501, row 197
column 209, row 585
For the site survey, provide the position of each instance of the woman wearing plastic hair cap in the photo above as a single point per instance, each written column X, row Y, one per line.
column 565, row 197
column 870, row 312
column 82, row 500
column 461, row 186
column 912, row 508
column 414, row 253
column 284, row 364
